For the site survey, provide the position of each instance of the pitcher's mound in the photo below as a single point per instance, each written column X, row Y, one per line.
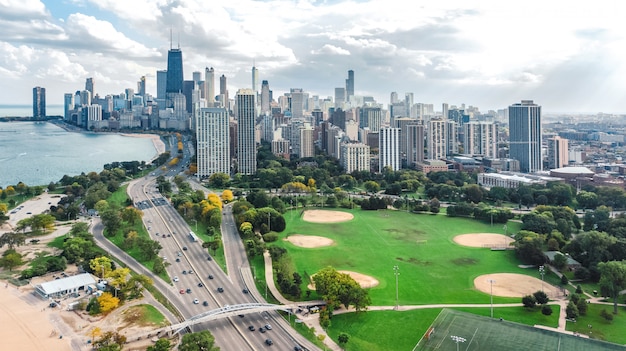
column 365, row 281
column 513, row 285
column 325, row 216
column 483, row 240
column 309, row 241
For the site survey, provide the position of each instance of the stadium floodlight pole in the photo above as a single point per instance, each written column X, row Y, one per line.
column 457, row 340
column 396, row 272
column 542, row 271
column 491, row 281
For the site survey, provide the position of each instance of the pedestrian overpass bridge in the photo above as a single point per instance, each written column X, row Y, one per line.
column 222, row 312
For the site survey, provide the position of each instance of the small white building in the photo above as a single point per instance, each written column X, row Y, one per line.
column 65, row 286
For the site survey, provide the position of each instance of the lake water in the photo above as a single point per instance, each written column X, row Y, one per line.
column 39, row 153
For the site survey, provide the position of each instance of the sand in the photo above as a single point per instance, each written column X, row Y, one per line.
column 365, row 281
column 483, row 240
column 325, row 216
column 159, row 145
column 309, row 241
column 514, row 285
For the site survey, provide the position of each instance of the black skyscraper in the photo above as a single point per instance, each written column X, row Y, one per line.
column 174, row 83
column 39, row 102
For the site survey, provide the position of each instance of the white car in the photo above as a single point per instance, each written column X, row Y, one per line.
column 195, row 301
column 175, row 278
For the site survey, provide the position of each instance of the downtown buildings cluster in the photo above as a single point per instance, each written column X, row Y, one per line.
column 357, row 130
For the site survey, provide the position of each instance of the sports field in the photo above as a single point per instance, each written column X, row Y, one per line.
column 432, row 267
column 475, row 333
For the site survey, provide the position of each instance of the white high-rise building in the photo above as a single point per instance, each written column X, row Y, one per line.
column 209, row 86
column 213, row 142
column 265, row 97
column 436, row 140
column 255, row 79
column 558, row 152
column 297, row 103
column 389, row 149
column 355, row 157
column 481, row 139
column 246, row 145
column 307, row 139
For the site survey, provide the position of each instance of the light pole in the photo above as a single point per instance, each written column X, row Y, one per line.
column 542, row 271
column 196, row 224
column 491, row 281
column 396, row 272
column 457, row 340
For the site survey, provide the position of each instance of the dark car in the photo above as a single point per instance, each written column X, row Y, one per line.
column 251, row 328
column 245, row 291
column 200, row 285
column 297, row 348
column 188, row 291
column 205, row 303
column 184, row 248
column 184, row 272
column 177, row 259
column 262, row 330
column 210, row 276
column 269, row 342
column 220, row 289
column 209, row 258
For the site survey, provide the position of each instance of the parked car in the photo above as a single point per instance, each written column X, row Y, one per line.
column 220, row 289
column 188, row 291
column 204, row 303
column 251, row 328
column 210, row 276
column 196, row 301
column 268, row 327
column 175, row 278
column 269, row 342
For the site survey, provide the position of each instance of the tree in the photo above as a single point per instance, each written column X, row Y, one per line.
column 161, row 345
column 529, row 301
column 474, row 193
column 613, row 279
column 606, row 315
column 131, row 215
column 101, row 266
column 546, row 310
column 12, row 239
column 560, row 261
column 343, row 338
column 201, row 341
column 219, row 180
column 107, row 302
column 571, row 311
column 339, row 288
column 11, row 259
column 111, row 220
column 371, row 186
column 148, row 248
column 541, row 297
column 227, row 196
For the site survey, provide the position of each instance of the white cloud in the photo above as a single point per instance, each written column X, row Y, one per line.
column 329, row 49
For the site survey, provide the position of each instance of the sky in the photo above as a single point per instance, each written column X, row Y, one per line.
column 566, row 55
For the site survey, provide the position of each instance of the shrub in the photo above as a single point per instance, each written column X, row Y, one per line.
column 606, row 315
column 529, row 301
column 564, row 280
column 579, row 289
column 270, row 237
column 541, row 297
column 546, row 310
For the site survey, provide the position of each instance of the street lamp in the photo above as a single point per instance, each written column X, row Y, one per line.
column 457, row 340
column 491, row 281
column 396, row 272
column 542, row 271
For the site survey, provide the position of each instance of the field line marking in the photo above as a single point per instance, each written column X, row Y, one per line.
column 472, row 339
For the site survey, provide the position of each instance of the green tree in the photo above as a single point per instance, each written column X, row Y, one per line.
column 571, row 311
column 343, row 338
column 161, row 345
column 131, row 215
column 474, row 193
column 219, row 180
column 201, row 341
column 371, row 186
column 101, row 266
column 560, row 261
column 546, row 310
column 148, row 248
column 529, row 301
column 111, row 220
column 11, row 259
column 613, row 279
column 541, row 297
column 12, row 239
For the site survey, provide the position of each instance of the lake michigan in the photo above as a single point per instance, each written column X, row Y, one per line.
column 38, row 153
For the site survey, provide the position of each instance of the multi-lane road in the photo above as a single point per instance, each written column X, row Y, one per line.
column 194, row 269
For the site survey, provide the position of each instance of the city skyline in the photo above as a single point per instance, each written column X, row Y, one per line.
column 561, row 54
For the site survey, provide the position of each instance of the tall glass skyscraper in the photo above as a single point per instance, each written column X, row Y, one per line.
column 525, row 135
column 39, row 102
column 174, row 82
column 246, row 145
column 350, row 85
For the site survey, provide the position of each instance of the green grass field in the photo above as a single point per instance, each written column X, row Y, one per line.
column 479, row 334
column 433, row 269
column 601, row 329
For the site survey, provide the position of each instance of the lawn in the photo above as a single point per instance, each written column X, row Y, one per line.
column 601, row 328
column 145, row 315
column 433, row 269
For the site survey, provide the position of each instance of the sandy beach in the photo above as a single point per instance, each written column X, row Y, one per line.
column 159, row 145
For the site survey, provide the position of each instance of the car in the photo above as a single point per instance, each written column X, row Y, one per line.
column 242, row 315
column 210, row 276
column 200, row 285
column 175, row 278
column 188, row 291
column 245, row 291
column 220, row 289
column 262, row 330
column 209, row 258
column 196, row 301
column 182, row 291
column 268, row 327
column 165, row 258
column 29, row 213
column 177, row 259
column 157, row 234
column 204, row 303
column 297, row 348
column 190, row 271
column 184, row 272
column 168, row 235
column 269, row 342
column 185, row 248
column 251, row 328
column 179, row 254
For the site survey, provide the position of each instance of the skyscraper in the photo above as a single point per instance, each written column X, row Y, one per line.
column 350, row 85
column 213, row 142
column 297, row 103
column 525, row 135
column 90, row 85
column 371, row 117
column 174, row 71
column 265, row 97
column 437, row 144
column 481, row 138
column 141, row 86
column 255, row 79
column 39, row 102
column 340, row 97
column 246, row 146
column 161, row 77
column 209, row 85
column 389, row 149
column 415, row 144
column 355, row 157
column 224, row 92
column 68, row 105
column 558, row 152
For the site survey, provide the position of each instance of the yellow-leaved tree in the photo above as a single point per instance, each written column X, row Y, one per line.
column 107, row 302
column 227, row 196
column 101, row 266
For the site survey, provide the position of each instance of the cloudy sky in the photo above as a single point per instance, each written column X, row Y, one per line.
column 568, row 56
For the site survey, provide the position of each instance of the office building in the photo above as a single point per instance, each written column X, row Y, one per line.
column 297, row 103
column 224, row 93
column 141, row 86
column 371, row 117
column 307, row 141
column 209, row 86
column 265, row 97
column 525, row 135
column 350, row 85
column 174, row 83
column 246, row 146
column 355, row 157
column 481, row 139
column 558, row 152
column 89, row 85
column 436, row 139
column 39, row 102
column 213, row 142
column 389, row 149
column 340, row 97
column 255, row 79
column 68, row 106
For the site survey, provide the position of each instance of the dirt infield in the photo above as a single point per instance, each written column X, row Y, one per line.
column 309, row 241
column 483, row 240
column 365, row 281
column 513, row 285
column 325, row 216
